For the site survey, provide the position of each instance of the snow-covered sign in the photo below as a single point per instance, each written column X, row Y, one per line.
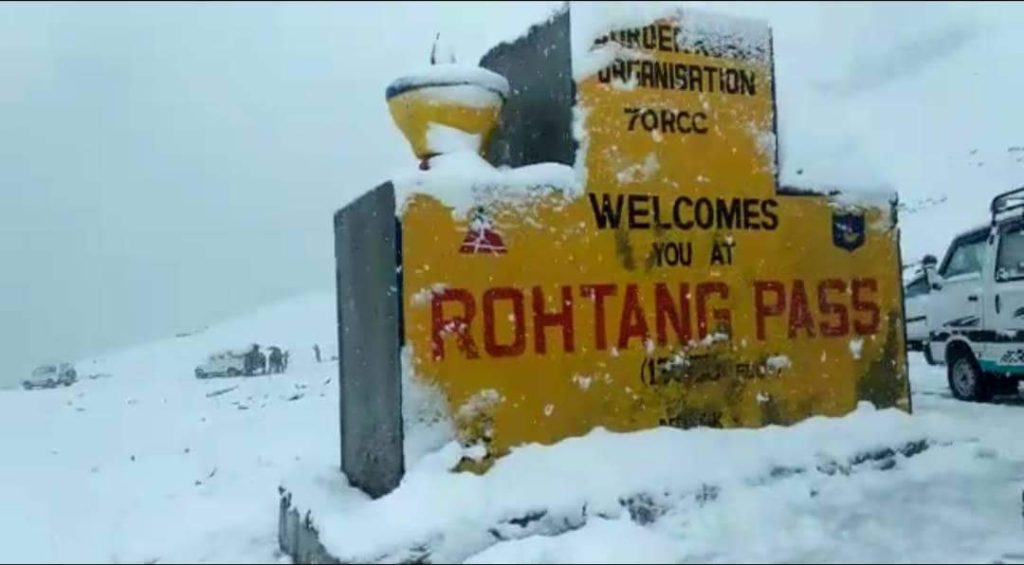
column 668, row 269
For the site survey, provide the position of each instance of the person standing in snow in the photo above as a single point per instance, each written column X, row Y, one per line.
column 316, row 351
column 276, row 363
column 285, row 362
column 252, row 360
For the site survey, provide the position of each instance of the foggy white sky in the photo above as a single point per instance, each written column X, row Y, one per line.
column 164, row 166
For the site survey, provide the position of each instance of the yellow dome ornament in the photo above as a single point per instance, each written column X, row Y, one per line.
column 446, row 108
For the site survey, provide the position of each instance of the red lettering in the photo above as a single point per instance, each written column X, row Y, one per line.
column 799, row 311
column 441, row 327
column 841, row 326
column 763, row 310
column 542, row 320
column 491, row 345
column 862, row 304
column 599, row 292
column 665, row 311
column 720, row 315
column 633, row 323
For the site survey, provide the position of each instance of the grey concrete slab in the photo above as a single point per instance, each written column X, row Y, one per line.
column 367, row 254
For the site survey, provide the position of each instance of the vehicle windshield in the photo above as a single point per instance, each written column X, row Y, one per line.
column 965, row 258
column 1010, row 261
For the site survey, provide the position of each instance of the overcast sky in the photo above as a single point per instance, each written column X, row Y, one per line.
column 164, row 166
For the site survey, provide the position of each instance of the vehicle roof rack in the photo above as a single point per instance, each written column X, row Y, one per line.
column 1007, row 202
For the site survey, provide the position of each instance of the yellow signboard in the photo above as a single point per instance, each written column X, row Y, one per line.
column 680, row 288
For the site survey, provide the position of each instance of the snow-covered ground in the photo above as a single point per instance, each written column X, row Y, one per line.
column 150, row 464
column 943, row 485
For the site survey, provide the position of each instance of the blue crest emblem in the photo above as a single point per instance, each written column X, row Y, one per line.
column 848, row 230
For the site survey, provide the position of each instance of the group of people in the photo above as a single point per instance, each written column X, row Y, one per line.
column 258, row 362
column 273, row 359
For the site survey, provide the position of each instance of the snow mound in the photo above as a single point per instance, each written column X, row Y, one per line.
column 586, row 545
column 444, row 75
column 643, row 476
column 443, row 139
column 463, row 181
column 830, row 161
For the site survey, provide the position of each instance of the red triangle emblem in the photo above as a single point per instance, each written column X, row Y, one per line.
column 482, row 238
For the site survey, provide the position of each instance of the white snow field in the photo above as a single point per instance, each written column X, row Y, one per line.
column 150, row 464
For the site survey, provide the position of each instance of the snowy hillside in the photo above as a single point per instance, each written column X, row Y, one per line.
column 147, row 462
column 150, row 464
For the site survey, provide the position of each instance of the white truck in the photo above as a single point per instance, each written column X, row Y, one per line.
column 915, row 306
column 976, row 305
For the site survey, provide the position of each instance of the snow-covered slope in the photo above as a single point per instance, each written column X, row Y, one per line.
column 149, row 463
column 295, row 325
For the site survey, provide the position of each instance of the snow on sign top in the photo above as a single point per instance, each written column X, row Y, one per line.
column 694, row 31
column 813, row 159
column 450, row 75
column 829, row 160
column 464, row 181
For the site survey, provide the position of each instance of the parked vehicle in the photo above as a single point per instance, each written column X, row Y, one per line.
column 976, row 305
column 233, row 363
column 915, row 304
column 229, row 363
column 51, row 376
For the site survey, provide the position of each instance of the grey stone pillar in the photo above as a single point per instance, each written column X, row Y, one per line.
column 367, row 249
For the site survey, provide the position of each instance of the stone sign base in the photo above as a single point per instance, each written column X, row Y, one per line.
column 296, row 534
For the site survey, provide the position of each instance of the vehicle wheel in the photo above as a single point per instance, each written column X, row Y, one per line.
column 966, row 380
column 200, row 374
column 926, row 349
column 233, row 372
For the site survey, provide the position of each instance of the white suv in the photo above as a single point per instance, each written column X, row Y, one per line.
column 231, row 363
column 51, row 376
column 976, row 306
